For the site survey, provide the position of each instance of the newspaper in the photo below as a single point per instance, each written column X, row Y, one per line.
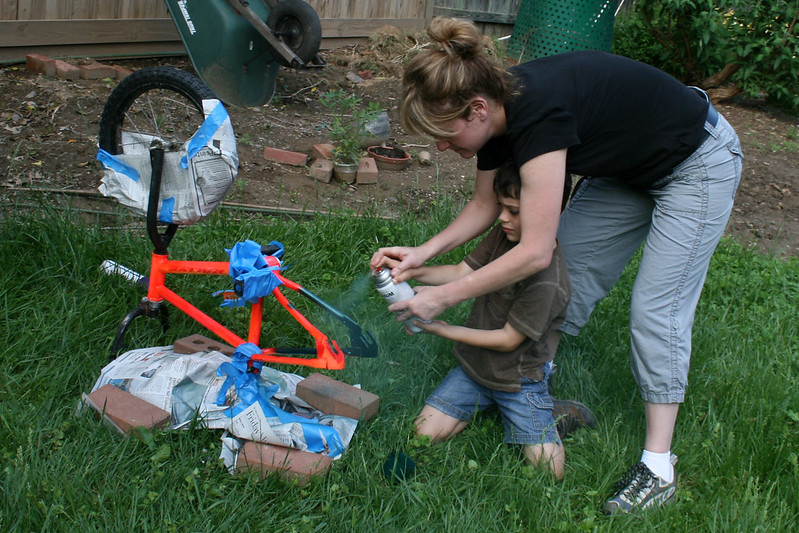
column 188, row 387
column 194, row 179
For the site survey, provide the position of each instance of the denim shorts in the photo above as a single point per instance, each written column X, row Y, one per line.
column 527, row 414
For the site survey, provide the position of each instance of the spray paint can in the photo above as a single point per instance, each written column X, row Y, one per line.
column 395, row 292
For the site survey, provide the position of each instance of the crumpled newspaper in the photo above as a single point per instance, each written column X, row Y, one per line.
column 194, row 179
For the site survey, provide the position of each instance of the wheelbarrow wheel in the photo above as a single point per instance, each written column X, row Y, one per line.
column 296, row 24
column 162, row 102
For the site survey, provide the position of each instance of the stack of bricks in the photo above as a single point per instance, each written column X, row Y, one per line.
column 321, row 392
column 328, row 395
column 321, row 169
column 126, row 412
column 85, row 70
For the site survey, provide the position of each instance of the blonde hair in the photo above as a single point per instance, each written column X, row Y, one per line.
column 440, row 82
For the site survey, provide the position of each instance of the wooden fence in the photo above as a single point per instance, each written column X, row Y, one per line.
column 493, row 17
column 136, row 28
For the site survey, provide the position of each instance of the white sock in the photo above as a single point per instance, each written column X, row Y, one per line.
column 659, row 464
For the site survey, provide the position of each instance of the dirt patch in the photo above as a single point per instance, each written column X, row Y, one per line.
column 48, row 139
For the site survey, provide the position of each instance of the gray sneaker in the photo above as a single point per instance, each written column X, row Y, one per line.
column 639, row 489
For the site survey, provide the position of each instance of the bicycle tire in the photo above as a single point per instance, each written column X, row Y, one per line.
column 162, row 102
column 296, row 24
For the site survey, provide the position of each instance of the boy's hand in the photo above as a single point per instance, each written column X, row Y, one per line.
column 436, row 327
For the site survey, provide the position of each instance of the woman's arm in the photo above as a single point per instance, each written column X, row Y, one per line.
column 540, row 203
column 501, row 340
column 475, row 218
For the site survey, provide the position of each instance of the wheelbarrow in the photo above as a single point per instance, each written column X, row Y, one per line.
column 237, row 46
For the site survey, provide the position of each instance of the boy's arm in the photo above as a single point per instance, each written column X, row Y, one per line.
column 439, row 274
column 501, row 340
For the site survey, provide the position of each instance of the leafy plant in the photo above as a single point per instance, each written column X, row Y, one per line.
column 348, row 125
column 752, row 46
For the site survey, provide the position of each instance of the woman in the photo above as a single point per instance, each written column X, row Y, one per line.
column 661, row 166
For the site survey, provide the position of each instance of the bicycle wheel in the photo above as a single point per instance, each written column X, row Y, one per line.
column 296, row 24
column 155, row 102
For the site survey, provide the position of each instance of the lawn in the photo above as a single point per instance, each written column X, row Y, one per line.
column 737, row 436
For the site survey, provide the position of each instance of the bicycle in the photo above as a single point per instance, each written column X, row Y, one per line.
column 160, row 109
column 328, row 353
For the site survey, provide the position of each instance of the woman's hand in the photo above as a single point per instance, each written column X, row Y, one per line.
column 428, row 303
column 399, row 259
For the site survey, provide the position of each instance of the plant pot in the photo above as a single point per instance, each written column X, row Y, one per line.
column 345, row 172
column 389, row 157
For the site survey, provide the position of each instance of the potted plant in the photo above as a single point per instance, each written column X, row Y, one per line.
column 348, row 129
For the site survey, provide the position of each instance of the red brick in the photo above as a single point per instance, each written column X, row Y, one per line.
column 199, row 343
column 367, row 171
column 125, row 410
column 121, row 72
column 290, row 463
column 338, row 398
column 96, row 71
column 322, row 151
column 66, row 71
column 285, row 157
column 40, row 63
column 321, row 170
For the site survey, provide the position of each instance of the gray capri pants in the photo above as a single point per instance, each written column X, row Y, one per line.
column 682, row 219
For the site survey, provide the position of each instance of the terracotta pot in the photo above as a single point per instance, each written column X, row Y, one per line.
column 389, row 157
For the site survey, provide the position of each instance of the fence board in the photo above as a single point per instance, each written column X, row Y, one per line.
column 70, row 28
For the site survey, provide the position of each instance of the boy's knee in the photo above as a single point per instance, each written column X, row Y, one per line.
column 436, row 425
column 550, row 457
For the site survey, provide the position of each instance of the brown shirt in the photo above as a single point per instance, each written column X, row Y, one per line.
column 535, row 306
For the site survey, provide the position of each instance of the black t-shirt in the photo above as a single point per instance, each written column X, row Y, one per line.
column 618, row 118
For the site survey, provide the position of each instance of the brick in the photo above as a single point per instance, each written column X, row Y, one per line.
column 338, row 398
column 126, row 411
column 322, row 151
column 200, row 343
column 285, row 157
column 66, row 71
column 121, row 72
column 290, row 463
column 321, row 170
column 96, row 71
column 40, row 63
column 367, row 171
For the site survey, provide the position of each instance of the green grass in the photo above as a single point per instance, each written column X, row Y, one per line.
column 737, row 436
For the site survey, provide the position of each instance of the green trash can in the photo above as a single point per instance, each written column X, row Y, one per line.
column 547, row 27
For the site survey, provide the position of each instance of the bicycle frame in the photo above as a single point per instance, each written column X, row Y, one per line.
column 328, row 353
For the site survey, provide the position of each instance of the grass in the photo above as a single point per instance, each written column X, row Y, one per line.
column 737, row 435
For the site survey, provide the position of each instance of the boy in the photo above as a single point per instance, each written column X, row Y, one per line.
column 506, row 348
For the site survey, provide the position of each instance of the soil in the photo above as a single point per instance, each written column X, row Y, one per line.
column 48, row 140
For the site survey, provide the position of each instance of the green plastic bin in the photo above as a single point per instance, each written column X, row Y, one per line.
column 548, row 27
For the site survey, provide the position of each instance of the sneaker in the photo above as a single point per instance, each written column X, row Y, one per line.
column 639, row 489
column 571, row 416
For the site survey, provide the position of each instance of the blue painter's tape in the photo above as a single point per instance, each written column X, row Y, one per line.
column 109, row 161
column 205, row 133
column 165, row 214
